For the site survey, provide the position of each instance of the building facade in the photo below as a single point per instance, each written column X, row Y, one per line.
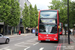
column 22, row 4
column 7, row 29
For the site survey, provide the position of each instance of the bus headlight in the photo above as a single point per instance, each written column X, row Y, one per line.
column 55, row 38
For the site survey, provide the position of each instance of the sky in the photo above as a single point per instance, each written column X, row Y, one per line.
column 41, row 4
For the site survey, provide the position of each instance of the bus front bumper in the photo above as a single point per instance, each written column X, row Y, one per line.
column 47, row 39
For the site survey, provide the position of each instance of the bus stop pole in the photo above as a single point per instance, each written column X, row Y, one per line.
column 68, row 21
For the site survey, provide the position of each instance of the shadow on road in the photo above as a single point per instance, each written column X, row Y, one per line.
column 2, row 43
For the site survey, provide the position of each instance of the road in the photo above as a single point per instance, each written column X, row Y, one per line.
column 30, row 42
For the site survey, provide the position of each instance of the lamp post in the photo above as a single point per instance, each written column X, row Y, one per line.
column 68, row 21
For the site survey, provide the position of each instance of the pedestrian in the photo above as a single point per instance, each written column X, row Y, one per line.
column 69, row 32
column 74, row 32
column 19, row 32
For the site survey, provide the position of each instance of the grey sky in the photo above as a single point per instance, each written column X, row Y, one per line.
column 41, row 4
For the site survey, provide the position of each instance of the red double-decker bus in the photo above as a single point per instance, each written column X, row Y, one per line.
column 61, row 29
column 48, row 25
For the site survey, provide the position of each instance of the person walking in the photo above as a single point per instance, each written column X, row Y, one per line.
column 74, row 32
column 69, row 32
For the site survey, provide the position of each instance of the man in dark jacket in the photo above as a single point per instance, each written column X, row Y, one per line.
column 69, row 31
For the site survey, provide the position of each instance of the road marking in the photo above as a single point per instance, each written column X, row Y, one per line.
column 71, row 42
column 59, row 46
column 41, row 48
column 20, row 44
column 36, row 43
column 27, row 48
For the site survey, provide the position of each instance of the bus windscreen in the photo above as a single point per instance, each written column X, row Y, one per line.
column 48, row 29
column 48, row 21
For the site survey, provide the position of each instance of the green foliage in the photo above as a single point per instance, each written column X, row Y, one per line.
column 62, row 7
column 36, row 14
column 32, row 16
column 26, row 18
column 4, row 9
column 72, row 14
column 9, row 12
column 55, row 4
column 14, row 18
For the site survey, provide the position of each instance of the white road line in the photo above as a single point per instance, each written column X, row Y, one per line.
column 41, row 48
column 20, row 44
column 36, row 43
column 27, row 48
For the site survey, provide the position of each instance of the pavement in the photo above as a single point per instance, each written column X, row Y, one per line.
column 15, row 35
column 70, row 46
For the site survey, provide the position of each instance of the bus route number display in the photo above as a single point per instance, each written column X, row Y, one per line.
column 48, row 21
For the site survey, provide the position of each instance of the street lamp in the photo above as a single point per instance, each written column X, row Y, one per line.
column 68, row 21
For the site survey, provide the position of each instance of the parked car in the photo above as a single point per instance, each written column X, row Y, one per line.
column 4, row 39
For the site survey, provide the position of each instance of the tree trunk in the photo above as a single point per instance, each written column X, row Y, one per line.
column 11, row 30
column 7, row 29
column 4, row 29
column 24, row 30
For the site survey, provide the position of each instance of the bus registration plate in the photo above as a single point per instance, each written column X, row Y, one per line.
column 47, row 39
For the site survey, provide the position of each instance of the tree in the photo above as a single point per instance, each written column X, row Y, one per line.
column 55, row 4
column 32, row 17
column 36, row 14
column 5, row 11
column 72, row 14
column 14, row 18
column 25, row 13
column 62, row 7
